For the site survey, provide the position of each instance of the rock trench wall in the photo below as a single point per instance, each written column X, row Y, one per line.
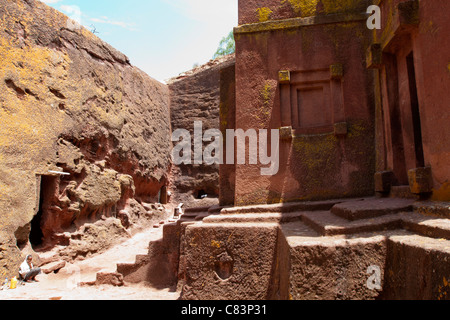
column 85, row 138
column 196, row 96
column 71, row 103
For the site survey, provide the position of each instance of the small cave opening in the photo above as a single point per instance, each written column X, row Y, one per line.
column 47, row 190
column 36, row 234
column 200, row 194
column 163, row 196
column 22, row 235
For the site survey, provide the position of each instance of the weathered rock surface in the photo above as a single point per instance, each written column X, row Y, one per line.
column 53, row 267
column 307, row 252
column 195, row 96
column 71, row 103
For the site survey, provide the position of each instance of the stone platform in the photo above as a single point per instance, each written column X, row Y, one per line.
column 374, row 248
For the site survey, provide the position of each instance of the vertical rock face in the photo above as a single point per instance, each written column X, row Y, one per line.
column 195, row 96
column 71, row 103
column 307, row 77
column 412, row 111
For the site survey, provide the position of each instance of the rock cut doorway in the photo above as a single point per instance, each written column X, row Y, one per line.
column 47, row 186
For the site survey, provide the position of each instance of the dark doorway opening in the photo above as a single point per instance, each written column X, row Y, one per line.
column 163, row 199
column 415, row 112
column 46, row 193
column 201, row 194
column 393, row 125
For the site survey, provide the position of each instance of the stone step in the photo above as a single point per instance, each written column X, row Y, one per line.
column 328, row 224
column 417, row 268
column 436, row 208
column 410, row 266
column 284, row 207
column 195, row 210
column 126, row 268
column 428, row 226
column 372, row 208
column 299, row 233
column 195, row 216
column 402, row 192
column 254, row 217
column 198, row 213
column 155, row 248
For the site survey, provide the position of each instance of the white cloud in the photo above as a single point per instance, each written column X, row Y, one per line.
column 70, row 9
column 207, row 22
column 50, row 1
column 106, row 20
column 217, row 17
column 75, row 14
column 207, row 11
column 211, row 21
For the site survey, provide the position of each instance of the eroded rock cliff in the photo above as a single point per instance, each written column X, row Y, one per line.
column 195, row 97
column 70, row 103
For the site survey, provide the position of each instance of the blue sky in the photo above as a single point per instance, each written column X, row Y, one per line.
column 161, row 37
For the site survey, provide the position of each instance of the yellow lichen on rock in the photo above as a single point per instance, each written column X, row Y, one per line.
column 25, row 117
column 308, row 8
column 316, row 151
column 264, row 14
column 332, row 6
column 65, row 97
column 216, row 244
column 267, row 98
column 443, row 193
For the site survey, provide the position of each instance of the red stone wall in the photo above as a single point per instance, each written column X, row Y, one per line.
column 227, row 172
column 253, row 11
column 418, row 31
column 328, row 102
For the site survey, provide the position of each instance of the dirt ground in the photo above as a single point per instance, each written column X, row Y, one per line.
column 64, row 284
